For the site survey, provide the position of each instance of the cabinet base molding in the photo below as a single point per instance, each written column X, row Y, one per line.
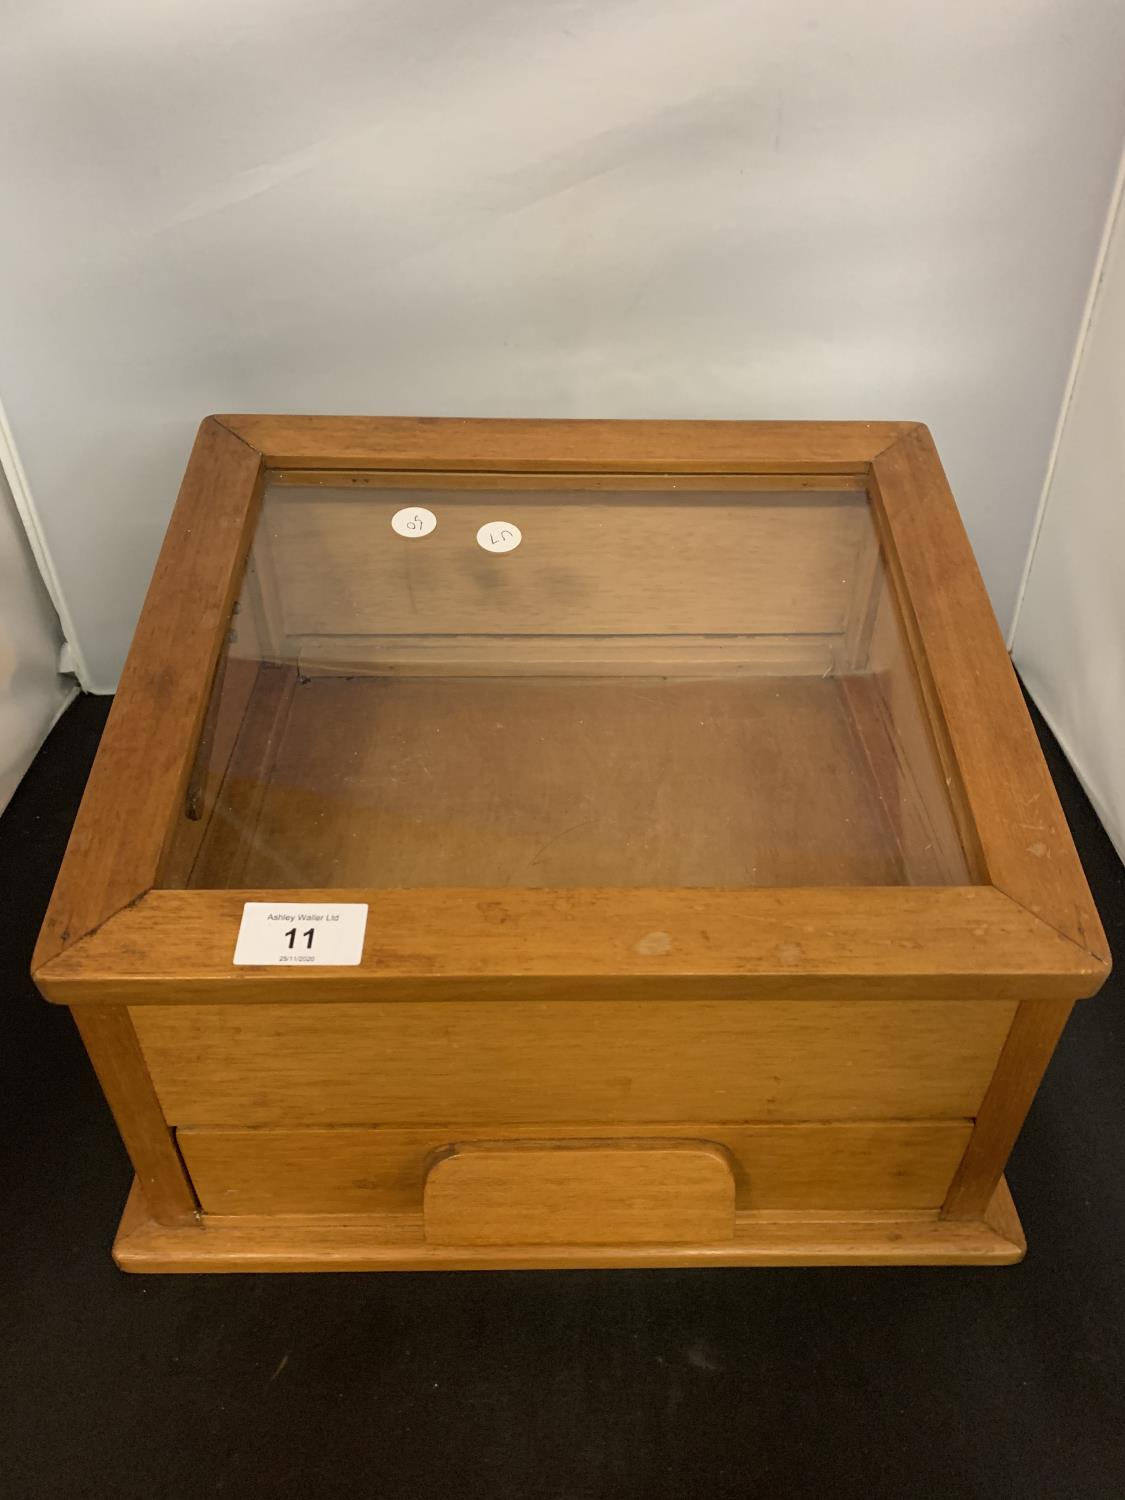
column 396, row 1242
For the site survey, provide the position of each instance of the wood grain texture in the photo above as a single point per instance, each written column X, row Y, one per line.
column 590, row 563
column 555, row 782
column 566, row 1192
column 1001, row 1217
column 340, row 1170
column 112, row 1045
column 1026, row 846
column 136, row 789
column 905, row 489
column 1035, row 1032
column 175, row 948
column 393, row 1242
column 560, row 1005
column 518, row 445
column 483, row 1061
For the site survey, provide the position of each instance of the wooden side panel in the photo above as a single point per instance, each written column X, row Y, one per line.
column 493, row 1061
column 1026, row 847
column 589, row 564
column 112, row 1044
column 1019, row 1072
column 174, row 948
column 338, row 1170
column 521, row 445
column 136, row 789
column 654, row 1192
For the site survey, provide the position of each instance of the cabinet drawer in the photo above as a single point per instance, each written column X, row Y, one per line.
column 614, row 1062
column 863, row 1165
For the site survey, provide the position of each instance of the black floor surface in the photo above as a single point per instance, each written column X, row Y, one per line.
column 627, row 1385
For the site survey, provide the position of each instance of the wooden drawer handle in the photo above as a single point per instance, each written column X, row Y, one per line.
column 587, row 1192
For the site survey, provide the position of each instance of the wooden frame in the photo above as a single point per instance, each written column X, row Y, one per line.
column 1027, row 930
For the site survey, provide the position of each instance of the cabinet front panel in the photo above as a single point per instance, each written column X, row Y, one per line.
column 865, row 1165
column 574, row 1061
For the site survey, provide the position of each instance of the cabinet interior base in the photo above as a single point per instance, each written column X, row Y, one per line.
column 539, row 781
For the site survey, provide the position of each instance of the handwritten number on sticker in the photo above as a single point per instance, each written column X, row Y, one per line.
column 413, row 521
column 499, row 536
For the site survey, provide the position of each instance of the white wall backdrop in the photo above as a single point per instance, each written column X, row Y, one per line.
column 572, row 207
column 32, row 693
column 1069, row 641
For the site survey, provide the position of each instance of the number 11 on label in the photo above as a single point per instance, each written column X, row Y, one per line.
column 299, row 933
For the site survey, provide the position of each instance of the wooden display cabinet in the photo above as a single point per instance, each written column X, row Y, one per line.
column 681, row 885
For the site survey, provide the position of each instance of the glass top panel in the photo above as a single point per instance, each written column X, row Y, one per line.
column 484, row 681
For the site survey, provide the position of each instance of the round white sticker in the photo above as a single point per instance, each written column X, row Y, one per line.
column 499, row 536
column 413, row 521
